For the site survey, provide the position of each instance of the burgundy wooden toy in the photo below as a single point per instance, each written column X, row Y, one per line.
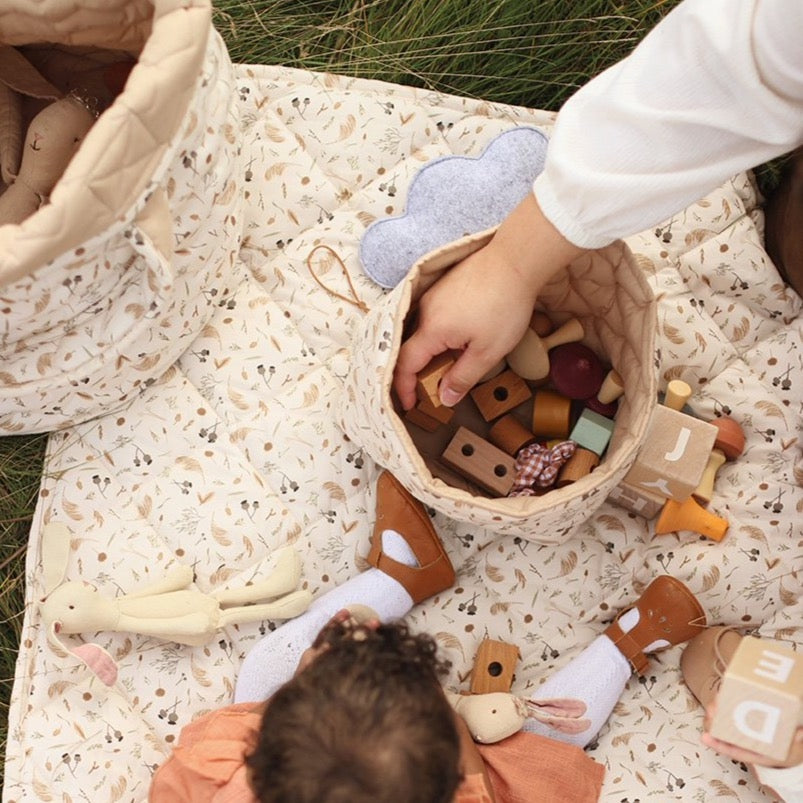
column 575, row 371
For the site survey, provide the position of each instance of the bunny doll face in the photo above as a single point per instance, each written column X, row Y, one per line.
column 77, row 608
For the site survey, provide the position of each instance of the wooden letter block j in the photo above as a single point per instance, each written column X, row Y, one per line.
column 674, row 455
column 760, row 702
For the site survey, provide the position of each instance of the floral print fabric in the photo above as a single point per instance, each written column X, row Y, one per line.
column 237, row 449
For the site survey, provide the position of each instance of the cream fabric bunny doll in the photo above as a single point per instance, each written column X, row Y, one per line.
column 168, row 609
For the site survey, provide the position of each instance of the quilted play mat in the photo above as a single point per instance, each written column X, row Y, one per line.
column 234, row 448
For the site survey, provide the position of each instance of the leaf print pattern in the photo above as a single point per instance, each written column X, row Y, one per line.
column 236, row 448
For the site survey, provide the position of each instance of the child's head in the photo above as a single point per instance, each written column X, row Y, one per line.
column 365, row 722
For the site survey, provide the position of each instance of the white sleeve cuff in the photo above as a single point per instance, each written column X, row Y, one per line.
column 786, row 782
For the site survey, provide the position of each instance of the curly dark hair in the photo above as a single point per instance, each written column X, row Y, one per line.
column 365, row 722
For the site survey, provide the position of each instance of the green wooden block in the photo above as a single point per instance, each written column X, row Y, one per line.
column 592, row 431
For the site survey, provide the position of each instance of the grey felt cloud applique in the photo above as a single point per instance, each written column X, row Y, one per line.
column 453, row 196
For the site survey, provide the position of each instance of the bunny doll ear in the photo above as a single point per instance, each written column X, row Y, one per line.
column 93, row 656
column 55, row 554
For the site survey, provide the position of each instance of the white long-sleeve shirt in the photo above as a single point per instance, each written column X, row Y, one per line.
column 715, row 88
column 786, row 783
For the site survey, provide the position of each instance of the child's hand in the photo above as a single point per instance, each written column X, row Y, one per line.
column 794, row 757
column 476, row 309
column 482, row 306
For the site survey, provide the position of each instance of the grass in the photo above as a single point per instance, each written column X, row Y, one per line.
column 522, row 52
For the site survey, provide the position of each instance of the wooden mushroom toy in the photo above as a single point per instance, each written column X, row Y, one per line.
column 729, row 444
column 606, row 401
column 530, row 358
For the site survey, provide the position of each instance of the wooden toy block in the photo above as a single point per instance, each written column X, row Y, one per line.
column 637, row 500
column 481, row 462
column 426, row 422
column 674, row 455
column 442, row 413
column 581, row 463
column 689, row 515
column 575, row 371
column 500, row 395
column 451, row 478
column 494, row 666
column 728, row 445
column 429, row 378
column 510, row 435
column 530, row 358
column 760, row 702
column 552, row 415
column 677, row 394
column 592, row 431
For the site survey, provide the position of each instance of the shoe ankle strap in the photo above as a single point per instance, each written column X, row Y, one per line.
column 628, row 646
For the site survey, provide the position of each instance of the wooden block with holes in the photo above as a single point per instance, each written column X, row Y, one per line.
column 429, row 378
column 481, row 462
column 494, row 666
column 674, row 454
column 500, row 395
column 760, row 701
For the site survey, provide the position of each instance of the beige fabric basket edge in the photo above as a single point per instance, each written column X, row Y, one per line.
column 624, row 331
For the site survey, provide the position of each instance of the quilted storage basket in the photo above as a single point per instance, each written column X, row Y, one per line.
column 607, row 292
column 106, row 285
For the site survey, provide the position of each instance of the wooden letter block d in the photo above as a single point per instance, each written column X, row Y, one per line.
column 674, row 455
column 494, row 666
column 500, row 395
column 760, row 702
column 481, row 462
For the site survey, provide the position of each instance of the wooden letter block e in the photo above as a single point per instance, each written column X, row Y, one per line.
column 481, row 462
column 674, row 455
column 760, row 702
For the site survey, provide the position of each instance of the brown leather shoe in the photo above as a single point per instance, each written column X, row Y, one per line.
column 397, row 510
column 667, row 610
column 705, row 659
column 783, row 228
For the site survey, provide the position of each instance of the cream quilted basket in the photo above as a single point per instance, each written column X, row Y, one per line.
column 607, row 292
column 106, row 285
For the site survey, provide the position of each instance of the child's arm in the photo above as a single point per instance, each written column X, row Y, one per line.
column 471, row 762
